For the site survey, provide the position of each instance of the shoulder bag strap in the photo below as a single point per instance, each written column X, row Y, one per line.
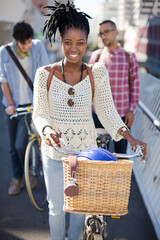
column 51, row 71
column 129, row 63
column 15, row 59
column 89, row 69
column 72, row 159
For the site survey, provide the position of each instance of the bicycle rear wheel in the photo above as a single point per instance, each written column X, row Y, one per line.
column 34, row 175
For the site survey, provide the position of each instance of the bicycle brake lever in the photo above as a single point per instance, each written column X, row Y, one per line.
column 14, row 115
column 63, row 143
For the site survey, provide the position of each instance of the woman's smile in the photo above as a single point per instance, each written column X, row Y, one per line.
column 73, row 55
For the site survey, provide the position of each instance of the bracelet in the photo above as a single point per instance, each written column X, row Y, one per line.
column 124, row 129
column 132, row 111
column 44, row 128
column 12, row 105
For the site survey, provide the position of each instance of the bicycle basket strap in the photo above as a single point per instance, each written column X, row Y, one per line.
column 71, row 189
column 73, row 165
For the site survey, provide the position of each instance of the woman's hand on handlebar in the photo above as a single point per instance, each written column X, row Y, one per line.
column 51, row 137
column 134, row 143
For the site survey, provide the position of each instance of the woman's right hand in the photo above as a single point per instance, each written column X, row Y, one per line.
column 51, row 137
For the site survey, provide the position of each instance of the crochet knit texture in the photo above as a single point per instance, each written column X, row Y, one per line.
column 75, row 123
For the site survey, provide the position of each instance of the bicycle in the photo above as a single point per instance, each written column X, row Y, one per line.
column 33, row 168
column 103, row 138
column 95, row 225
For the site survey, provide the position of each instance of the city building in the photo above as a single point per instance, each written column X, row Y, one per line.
column 143, row 35
column 138, row 22
column 19, row 10
column 120, row 11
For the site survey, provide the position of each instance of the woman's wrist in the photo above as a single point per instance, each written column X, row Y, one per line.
column 127, row 135
column 46, row 129
column 131, row 111
column 124, row 131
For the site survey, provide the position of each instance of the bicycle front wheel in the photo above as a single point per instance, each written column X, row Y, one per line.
column 34, row 175
column 92, row 237
column 98, row 237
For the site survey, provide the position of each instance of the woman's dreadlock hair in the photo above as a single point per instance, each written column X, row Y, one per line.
column 64, row 16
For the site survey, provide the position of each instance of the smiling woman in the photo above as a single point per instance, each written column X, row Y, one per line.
column 64, row 109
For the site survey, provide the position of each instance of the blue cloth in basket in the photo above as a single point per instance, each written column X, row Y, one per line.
column 98, row 154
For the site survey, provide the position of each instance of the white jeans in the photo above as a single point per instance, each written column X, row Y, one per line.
column 53, row 173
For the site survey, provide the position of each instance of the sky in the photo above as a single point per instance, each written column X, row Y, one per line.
column 91, row 7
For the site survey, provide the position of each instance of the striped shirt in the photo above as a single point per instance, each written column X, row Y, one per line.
column 125, row 95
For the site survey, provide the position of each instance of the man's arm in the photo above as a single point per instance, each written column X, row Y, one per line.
column 4, row 84
column 133, row 90
column 7, row 93
column 134, row 83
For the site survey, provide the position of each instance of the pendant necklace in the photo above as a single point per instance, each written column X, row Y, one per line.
column 71, row 90
column 62, row 68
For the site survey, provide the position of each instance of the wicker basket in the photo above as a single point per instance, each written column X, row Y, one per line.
column 104, row 187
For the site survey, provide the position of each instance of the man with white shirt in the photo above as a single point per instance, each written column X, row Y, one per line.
column 17, row 92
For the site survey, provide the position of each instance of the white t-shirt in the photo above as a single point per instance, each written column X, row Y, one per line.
column 23, row 85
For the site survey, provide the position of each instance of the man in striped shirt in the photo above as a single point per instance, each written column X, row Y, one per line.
column 123, row 74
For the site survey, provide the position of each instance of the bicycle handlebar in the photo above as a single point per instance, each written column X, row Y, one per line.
column 138, row 152
column 22, row 111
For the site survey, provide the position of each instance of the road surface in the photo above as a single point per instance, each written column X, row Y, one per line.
column 19, row 220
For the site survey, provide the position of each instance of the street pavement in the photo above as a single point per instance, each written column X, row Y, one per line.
column 19, row 220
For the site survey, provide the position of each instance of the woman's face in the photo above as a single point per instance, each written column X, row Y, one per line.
column 74, row 43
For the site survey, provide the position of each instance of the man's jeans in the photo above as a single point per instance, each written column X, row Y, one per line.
column 53, row 173
column 18, row 138
column 121, row 146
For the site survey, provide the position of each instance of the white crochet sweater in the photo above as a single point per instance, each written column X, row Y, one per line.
column 75, row 123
